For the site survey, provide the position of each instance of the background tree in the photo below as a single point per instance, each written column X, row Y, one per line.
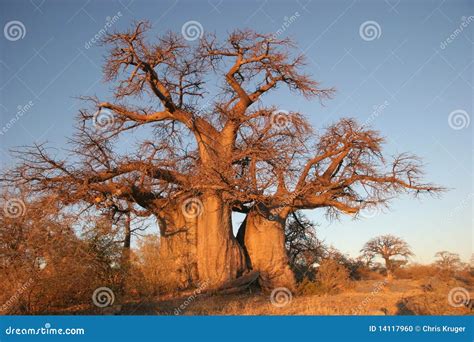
column 366, row 259
column 448, row 261
column 303, row 247
column 388, row 247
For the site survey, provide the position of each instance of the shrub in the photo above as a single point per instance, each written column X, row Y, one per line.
column 308, row 287
column 45, row 275
column 416, row 272
column 434, row 303
column 152, row 272
column 365, row 273
column 45, row 267
column 332, row 277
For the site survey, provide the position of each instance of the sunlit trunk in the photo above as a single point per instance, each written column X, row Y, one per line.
column 219, row 256
column 178, row 246
column 197, row 242
column 264, row 242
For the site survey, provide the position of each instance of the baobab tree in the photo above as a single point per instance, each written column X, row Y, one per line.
column 388, row 247
column 190, row 160
column 448, row 261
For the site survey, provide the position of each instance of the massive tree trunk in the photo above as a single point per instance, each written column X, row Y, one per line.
column 197, row 242
column 264, row 243
column 178, row 246
column 219, row 256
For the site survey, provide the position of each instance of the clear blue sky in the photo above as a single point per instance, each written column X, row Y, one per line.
column 408, row 65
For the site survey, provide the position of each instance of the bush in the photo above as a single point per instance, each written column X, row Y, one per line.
column 150, row 274
column 332, row 277
column 416, row 272
column 153, row 274
column 365, row 273
column 434, row 303
column 45, row 267
column 465, row 276
column 308, row 287
column 49, row 277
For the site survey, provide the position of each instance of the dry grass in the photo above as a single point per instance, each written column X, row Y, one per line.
column 367, row 297
column 398, row 297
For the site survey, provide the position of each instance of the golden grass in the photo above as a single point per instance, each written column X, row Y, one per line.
column 397, row 297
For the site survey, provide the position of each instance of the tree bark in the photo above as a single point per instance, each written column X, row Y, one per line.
column 388, row 267
column 264, row 243
column 219, row 256
column 178, row 246
column 200, row 247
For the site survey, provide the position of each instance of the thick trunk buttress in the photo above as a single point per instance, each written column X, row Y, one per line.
column 198, row 244
column 264, row 242
column 219, row 256
column 178, row 246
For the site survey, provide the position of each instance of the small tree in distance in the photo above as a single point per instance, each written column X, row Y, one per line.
column 448, row 261
column 387, row 247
